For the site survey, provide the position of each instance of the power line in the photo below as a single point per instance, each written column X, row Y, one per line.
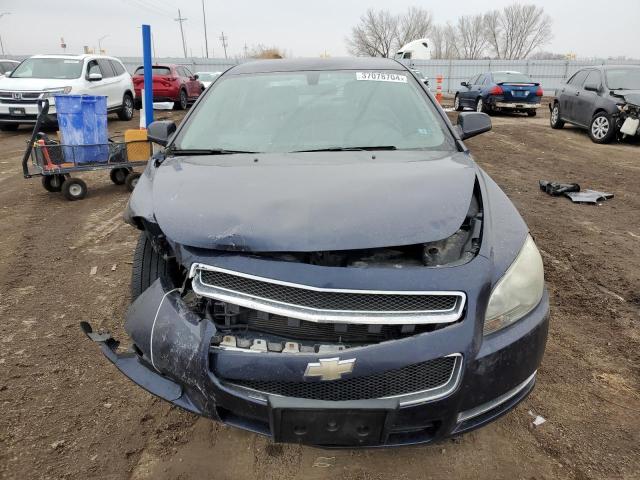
column 181, row 20
column 223, row 39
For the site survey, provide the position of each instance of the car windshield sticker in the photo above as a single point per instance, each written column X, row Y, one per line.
column 381, row 77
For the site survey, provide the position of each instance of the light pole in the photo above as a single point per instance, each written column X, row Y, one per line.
column 1, row 44
column 100, row 44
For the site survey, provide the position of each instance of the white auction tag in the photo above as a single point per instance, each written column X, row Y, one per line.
column 381, row 77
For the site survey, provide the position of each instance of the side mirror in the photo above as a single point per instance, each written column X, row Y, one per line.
column 196, row 77
column 464, row 84
column 94, row 77
column 471, row 124
column 592, row 87
column 159, row 132
column 8, row 73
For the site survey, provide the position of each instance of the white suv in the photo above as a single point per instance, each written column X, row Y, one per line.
column 43, row 76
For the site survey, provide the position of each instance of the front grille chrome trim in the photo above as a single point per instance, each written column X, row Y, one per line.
column 404, row 399
column 386, row 317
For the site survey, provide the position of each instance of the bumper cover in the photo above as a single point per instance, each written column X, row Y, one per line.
column 517, row 106
column 172, row 359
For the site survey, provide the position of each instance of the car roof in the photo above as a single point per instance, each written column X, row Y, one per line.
column 8, row 60
column 320, row 64
column 74, row 57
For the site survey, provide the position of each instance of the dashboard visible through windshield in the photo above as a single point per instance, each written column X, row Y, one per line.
column 315, row 110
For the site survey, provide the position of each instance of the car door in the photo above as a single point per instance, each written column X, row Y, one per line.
column 465, row 93
column 110, row 84
column 568, row 94
column 193, row 84
column 584, row 104
column 94, row 87
column 476, row 89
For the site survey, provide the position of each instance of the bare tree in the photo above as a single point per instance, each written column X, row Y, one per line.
column 517, row 31
column 375, row 35
column 471, row 36
column 415, row 24
column 380, row 33
column 444, row 42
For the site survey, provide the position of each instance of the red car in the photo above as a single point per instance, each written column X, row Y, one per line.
column 171, row 83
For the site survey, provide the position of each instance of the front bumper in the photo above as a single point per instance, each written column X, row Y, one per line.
column 8, row 113
column 173, row 359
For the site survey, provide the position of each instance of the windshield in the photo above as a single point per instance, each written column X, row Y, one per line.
column 154, row 71
column 623, row 79
column 207, row 77
column 511, row 77
column 285, row 112
column 63, row 68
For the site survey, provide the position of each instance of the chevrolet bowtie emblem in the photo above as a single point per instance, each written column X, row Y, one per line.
column 330, row 368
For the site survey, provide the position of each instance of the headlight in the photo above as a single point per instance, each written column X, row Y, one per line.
column 518, row 291
column 56, row 91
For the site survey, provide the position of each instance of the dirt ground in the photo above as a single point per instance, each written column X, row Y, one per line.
column 67, row 413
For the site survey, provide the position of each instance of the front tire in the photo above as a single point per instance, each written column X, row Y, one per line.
column 126, row 112
column 148, row 266
column 602, row 128
column 532, row 113
column 556, row 122
column 457, row 106
column 74, row 189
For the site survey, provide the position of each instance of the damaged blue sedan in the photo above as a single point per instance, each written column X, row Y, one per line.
column 321, row 261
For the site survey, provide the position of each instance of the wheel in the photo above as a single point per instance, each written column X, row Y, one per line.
column 480, row 105
column 457, row 105
column 532, row 113
column 9, row 127
column 119, row 175
column 126, row 113
column 148, row 266
column 74, row 189
column 183, row 100
column 555, row 120
column 132, row 180
column 53, row 183
column 602, row 129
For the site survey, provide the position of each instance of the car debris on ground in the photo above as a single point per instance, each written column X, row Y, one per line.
column 573, row 192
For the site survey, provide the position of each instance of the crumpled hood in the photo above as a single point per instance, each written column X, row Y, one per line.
column 629, row 96
column 312, row 201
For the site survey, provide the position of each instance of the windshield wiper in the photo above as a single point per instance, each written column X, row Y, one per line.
column 349, row 149
column 176, row 152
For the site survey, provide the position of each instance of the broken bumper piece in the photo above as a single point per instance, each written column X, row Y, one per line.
column 177, row 356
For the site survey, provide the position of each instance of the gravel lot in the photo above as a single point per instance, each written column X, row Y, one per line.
column 67, row 413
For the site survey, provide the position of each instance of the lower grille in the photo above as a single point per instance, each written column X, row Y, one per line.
column 412, row 379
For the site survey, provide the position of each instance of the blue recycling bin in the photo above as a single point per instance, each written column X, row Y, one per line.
column 83, row 124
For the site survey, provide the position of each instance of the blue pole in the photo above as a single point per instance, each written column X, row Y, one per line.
column 148, row 75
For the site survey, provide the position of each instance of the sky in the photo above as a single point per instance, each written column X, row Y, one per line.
column 587, row 28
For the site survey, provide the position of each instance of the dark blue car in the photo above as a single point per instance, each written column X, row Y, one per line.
column 321, row 261
column 499, row 91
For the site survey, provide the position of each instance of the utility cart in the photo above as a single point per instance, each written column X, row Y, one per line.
column 56, row 161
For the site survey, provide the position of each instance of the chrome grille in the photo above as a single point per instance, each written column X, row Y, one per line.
column 327, row 300
column 437, row 374
column 325, row 304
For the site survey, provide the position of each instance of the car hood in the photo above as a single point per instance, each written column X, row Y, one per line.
column 312, row 201
column 29, row 84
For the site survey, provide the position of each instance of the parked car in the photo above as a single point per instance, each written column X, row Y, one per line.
column 421, row 76
column 43, row 76
column 207, row 78
column 600, row 99
column 321, row 261
column 6, row 66
column 499, row 91
column 171, row 83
